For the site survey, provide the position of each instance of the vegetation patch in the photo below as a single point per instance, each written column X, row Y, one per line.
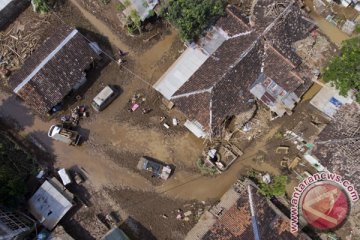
column 276, row 188
column 343, row 71
column 40, row 6
column 16, row 166
column 191, row 17
column 205, row 170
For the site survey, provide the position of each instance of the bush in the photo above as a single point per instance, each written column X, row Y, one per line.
column 120, row 7
column 276, row 188
column 40, row 6
column 193, row 16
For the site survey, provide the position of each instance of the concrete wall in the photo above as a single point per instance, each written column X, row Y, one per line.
column 11, row 11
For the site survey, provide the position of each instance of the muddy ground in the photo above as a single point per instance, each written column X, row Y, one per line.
column 116, row 138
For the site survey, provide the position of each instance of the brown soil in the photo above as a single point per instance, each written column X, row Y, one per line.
column 116, row 138
column 107, row 13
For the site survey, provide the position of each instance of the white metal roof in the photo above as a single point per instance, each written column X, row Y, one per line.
column 195, row 129
column 105, row 93
column 64, row 176
column 48, row 205
column 188, row 63
column 325, row 100
column 4, row 3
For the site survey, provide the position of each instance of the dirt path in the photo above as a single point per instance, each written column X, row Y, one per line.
column 101, row 27
column 104, row 171
column 146, row 61
column 189, row 186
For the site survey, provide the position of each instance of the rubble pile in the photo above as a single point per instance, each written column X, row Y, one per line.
column 315, row 50
column 16, row 44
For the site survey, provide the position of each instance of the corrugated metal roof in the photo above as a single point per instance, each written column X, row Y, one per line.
column 4, row 3
column 195, row 129
column 188, row 63
column 184, row 67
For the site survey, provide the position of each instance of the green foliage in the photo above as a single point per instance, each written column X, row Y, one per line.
column 120, row 7
column 278, row 135
column 344, row 71
column 193, row 16
column 357, row 28
column 106, row 2
column 204, row 169
column 127, row 3
column 15, row 168
column 40, row 6
column 276, row 188
column 135, row 22
column 151, row 13
column 145, row 4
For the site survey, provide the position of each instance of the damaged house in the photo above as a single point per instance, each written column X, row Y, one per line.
column 243, row 213
column 57, row 68
column 241, row 59
column 337, row 147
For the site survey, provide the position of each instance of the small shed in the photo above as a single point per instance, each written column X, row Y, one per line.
column 50, row 203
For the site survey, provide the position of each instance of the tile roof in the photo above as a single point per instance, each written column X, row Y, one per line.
column 338, row 145
column 262, row 45
column 235, row 222
column 53, row 69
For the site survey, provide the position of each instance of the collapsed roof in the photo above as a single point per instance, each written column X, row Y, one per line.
column 256, row 55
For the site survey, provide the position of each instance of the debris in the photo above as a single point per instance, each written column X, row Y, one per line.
column 179, row 216
column 167, row 126
column 283, row 149
column 168, row 104
column 146, row 110
column 135, row 107
column 186, row 219
column 188, row 213
column 164, row 216
column 266, row 178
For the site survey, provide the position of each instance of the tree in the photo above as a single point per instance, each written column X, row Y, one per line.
column 193, row 16
column 15, row 168
column 343, row 71
column 276, row 188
